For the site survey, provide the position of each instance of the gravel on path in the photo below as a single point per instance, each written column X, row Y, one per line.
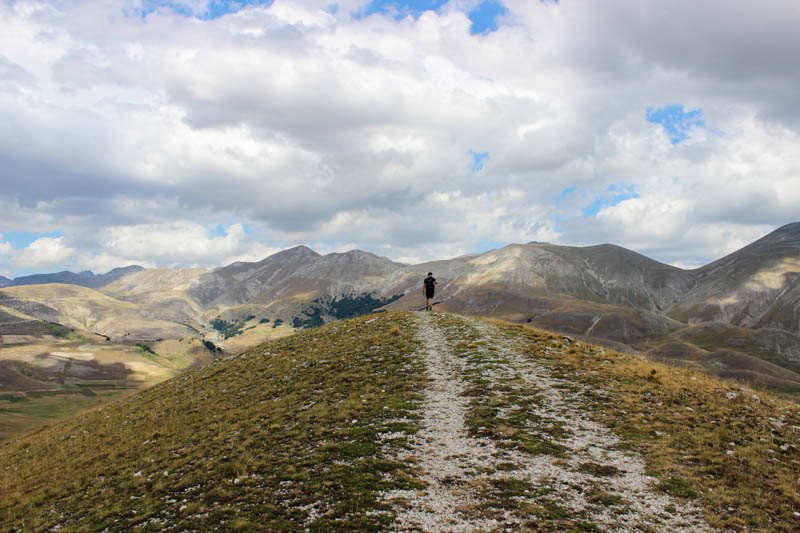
column 457, row 466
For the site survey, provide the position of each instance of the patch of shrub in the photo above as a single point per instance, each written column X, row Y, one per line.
column 228, row 329
column 211, row 347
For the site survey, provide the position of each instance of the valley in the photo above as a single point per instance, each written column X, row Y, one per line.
column 50, row 372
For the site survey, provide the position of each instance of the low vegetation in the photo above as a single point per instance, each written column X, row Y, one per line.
column 732, row 449
column 283, row 437
column 229, row 329
column 340, row 308
column 301, row 434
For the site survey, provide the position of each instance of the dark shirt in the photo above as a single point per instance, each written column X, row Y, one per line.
column 429, row 283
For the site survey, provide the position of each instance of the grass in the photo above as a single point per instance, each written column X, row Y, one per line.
column 284, row 437
column 21, row 415
column 500, row 408
column 288, row 437
column 730, row 449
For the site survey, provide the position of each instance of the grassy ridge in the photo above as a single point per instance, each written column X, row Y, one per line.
column 733, row 450
column 298, row 433
column 283, row 437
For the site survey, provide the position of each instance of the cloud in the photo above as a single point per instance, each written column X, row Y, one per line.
column 137, row 132
column 44, row 252
column 5, row 247
column 175, row 243
column 103, row 262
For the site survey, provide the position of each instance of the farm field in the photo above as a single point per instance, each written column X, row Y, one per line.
column 47, row 379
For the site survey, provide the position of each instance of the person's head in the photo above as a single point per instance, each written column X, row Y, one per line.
column 430, row 274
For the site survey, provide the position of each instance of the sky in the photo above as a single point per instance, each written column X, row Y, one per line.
column 194, row 133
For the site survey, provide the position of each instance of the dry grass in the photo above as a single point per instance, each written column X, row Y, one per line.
column 732, row 449
column 288, row 436
column 282, row 437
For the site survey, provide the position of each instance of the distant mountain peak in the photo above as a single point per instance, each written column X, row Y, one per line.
column 126, row 269
column 301, row 250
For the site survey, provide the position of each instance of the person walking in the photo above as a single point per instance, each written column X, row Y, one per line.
column 427, row 289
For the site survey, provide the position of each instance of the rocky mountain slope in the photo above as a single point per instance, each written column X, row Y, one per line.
column 756, row 286
column 423, row 421
column 605, row 294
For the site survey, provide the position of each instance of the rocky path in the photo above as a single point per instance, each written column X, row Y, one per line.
column 504, row 446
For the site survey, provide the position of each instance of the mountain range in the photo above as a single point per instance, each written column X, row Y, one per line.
column 738, row 316
column 86, row 278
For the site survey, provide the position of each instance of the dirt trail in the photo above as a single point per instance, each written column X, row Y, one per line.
column 575, row 476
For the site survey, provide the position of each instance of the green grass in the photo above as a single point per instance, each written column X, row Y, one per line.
column 20, row 415
column 282, row 438
column 518, row 427
column 63, row 332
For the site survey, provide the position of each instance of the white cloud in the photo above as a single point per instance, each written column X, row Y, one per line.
column 103, row 262
column 5, row 247
column 136, row 135
column 44, row 252
column 178, row 243
column 251, row 252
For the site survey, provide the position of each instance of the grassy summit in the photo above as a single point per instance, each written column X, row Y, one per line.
column 330, row 430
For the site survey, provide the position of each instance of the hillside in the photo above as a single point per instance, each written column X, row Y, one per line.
column 162, row 293
column 758, row 285
column 84, row 308
column 423, row 421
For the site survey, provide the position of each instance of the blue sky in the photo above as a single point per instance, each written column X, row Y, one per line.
column 483, row 16
column 177, row 134
column 21, row 239
column 479, row 160
column 211, row 10
column 677, row 122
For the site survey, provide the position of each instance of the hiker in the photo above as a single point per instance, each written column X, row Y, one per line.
column 427, row 289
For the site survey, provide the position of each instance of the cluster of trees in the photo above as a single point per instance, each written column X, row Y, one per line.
column 230, row 329
column 211, row 347
column 340, row 308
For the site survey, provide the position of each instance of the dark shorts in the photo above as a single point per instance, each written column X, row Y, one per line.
column 428, row 294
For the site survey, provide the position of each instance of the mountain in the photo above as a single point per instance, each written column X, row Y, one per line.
column 161, row 293
column 5, row 282
column 416, row 421
column 604, row 294
column 604, row 273
column 85, row 279
column 756, row 286
column 243, row 282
